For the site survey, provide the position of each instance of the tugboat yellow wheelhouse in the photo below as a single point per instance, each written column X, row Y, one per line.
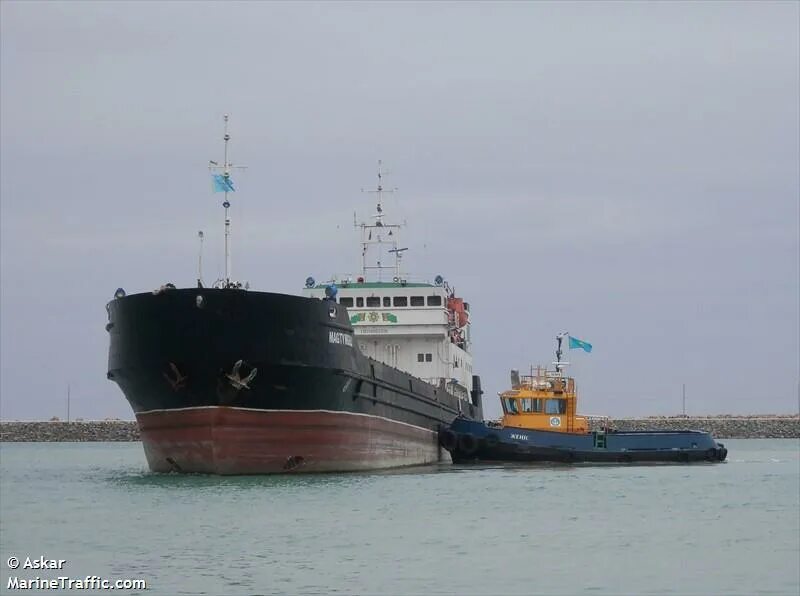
column 540, row 423
column 542, row 401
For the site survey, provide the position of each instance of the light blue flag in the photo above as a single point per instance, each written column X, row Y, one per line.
column 222, row 184
column 575, row 344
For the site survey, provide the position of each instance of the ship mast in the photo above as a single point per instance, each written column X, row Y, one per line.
column 227, row 185
column 560, row 364
column 375, row 236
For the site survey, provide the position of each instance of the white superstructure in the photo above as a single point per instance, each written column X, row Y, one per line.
column 420, row 328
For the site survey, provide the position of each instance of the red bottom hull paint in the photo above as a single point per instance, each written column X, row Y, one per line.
column 224, row 440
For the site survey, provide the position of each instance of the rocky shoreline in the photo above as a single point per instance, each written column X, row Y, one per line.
column 721, row 427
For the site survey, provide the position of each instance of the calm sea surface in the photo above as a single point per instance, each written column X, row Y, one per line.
column 702, row 529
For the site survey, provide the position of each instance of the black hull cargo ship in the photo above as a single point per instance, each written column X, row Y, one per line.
column 231, row 381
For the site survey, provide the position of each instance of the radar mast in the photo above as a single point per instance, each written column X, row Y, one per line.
column 379, row 239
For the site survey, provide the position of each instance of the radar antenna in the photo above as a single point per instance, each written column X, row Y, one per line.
column 226, row 185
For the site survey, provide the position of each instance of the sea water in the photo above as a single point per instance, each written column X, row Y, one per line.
column 729, row 528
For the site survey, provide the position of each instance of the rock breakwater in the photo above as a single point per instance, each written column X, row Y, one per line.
column 721, row 427
column 56, row 431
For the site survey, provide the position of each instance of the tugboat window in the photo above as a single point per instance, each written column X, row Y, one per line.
column 373, row 301
column 527, row 406
column 387, row 301
column 346, row 301
column 418, row 301
column 511, row 406
column 537, row 405
column 359, row 301
column 434, row 300
column 555, row 406
column 401, row 300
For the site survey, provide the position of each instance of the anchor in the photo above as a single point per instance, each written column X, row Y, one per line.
column 235, row 377
column 180, row 379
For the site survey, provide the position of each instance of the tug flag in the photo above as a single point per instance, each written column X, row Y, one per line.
column 575, row 344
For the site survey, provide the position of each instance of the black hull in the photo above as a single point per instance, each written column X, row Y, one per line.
column 179, row 349
column 542, row 455
column 470, row 441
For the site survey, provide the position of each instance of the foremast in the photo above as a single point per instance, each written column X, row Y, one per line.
column 223, row 183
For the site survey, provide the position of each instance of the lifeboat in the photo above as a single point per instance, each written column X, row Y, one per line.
column 457, row 312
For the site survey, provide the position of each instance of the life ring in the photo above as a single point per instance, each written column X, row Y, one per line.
column 491, row 440
column 467, row 443
column 448, row 439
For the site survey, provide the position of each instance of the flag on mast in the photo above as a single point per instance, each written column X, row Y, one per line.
column 222, row 183
column 575, row 344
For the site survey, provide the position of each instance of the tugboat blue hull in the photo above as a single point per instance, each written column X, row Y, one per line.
column 469, row 441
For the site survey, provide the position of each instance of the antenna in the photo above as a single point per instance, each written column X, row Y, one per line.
column 227, row 185
column 200, row 261
column 558, row 363
column 377, row 234
column 398, row 255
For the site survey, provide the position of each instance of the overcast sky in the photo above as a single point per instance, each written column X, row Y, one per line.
column 627, row 172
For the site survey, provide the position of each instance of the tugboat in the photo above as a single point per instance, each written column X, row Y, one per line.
column 540, row 424
column 358, row 373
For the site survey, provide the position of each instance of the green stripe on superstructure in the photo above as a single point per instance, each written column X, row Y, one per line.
column 376, row 284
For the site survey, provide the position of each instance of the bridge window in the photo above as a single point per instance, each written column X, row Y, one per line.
column 401, row 301
column 420, row 357
column 428, row 357
column 346, row 301
column 510, row 406
column 418, row 301
column 555, row 406
column 359, row 301
column 387, row 301
column 373, row 301
column 537, row 404
column 527, row 405
column 434, row 300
